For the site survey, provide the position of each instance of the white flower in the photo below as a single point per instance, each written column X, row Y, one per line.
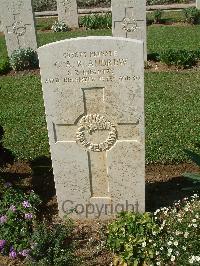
column 169, row 243
column 173, row 258
column 144, row 244
column 158, row 263
column 176, row 243
column 157, row 252
column 197, row 216
column 161, row 248
column 170, row 250
column 186, row 234
column 177, row 233
column 194, row 220
column 195, row 225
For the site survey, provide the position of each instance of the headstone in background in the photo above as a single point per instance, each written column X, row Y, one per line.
column 129, row 20
column 68, row 12
column 198, row 4
column 94, row 102
column 18, row 24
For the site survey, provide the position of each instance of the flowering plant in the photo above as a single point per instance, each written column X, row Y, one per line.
column 17, row 216
column 170, row 236
column 59, row 27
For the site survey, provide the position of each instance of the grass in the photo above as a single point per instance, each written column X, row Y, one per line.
column 172, row 116
column 159, row 38
column 168, row 16
column 173, row 37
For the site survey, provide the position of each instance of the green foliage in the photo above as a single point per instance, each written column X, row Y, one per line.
column 157, row 14
column 163, row 2
column 44, row 5
column 4, row 65
column 22, row 59
column 128, row 237
column 192, row 15
column 180, row 58
column 194, row 177
column 53, row 245
column 96, row 21
column 59, row 27
column 168, row 236
column 17, row 216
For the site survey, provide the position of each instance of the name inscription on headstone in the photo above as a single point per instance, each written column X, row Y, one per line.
column 83, row 67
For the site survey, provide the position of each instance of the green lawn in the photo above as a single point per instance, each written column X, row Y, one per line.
column 171, row 108
column 159, row 37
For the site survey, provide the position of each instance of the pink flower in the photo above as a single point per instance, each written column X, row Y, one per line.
column 2, row 243
column 13, row 253
column 28, row 216
column 26, row 204
column 24, row 252
column 12, row 208
column 3, row 219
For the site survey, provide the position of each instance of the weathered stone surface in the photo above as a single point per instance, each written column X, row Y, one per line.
column 198, row 4
column 94, row 100
column 129, row 20
column 68, row 12
column 18, row 24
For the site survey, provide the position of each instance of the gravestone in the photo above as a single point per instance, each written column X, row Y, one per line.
column 18, row 24
column 93, row 91
column 68, row 12
column 129, row 20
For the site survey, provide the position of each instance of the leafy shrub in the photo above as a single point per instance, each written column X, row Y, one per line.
column 168, row 236
column 24, row 59
column 157, row 14
column 180, row 58
column 192, row 15
column 194, row 177
column 44, row 5
column 129, row 238
column 17, row 216
column 52, row 246
column 4, row 65
column 163, row 2
column 96, row 21
column 59, row 27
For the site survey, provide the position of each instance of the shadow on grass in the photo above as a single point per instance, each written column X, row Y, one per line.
column 6, row 156
column 43, row 184
column 164, row 194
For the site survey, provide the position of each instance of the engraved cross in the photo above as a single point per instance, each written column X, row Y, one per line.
column 96, row 134
column 128, row 25
column 17, row 28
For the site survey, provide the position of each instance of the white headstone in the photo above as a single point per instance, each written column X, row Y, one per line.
column 94, row 102
column 18, row 24
column 68, row 12
column 129, row 20
column 198, row 4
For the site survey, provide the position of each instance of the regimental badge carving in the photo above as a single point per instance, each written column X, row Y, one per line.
column 129, row 24
column 19, row 28
column 89, row 124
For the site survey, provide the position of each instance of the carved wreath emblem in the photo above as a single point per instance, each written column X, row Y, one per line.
column 92, row 123
column 129, row 24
